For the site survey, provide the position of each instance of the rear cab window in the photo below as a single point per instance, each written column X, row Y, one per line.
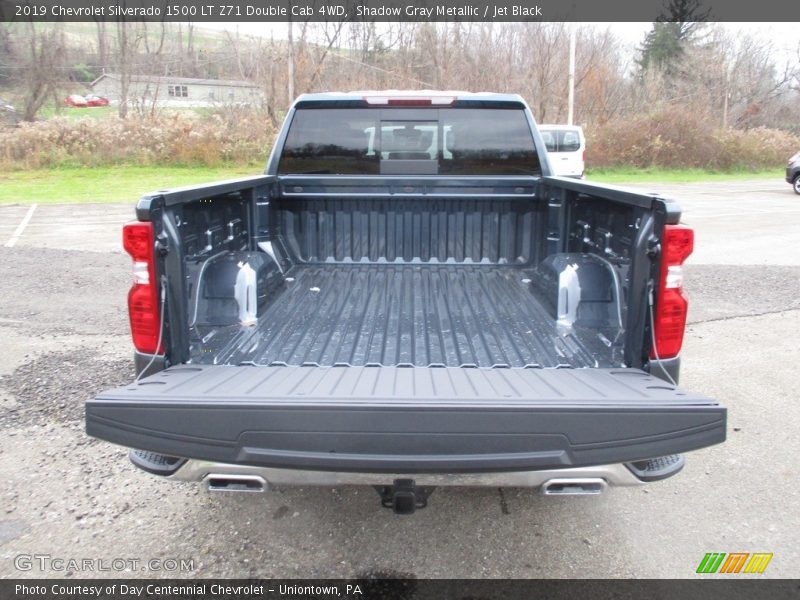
column 409, row 141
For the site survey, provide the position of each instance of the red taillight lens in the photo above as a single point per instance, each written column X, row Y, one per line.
column 671, row 304
column 138, row 241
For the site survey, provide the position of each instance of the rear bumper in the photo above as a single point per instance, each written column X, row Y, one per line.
column 201, row 471
column 395, row 420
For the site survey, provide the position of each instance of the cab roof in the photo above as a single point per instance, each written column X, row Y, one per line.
column 406, row 98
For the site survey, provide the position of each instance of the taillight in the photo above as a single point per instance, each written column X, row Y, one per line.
column 138, row 241
column 671, row 304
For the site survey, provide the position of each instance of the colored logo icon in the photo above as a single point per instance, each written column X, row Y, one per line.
column 736, row 562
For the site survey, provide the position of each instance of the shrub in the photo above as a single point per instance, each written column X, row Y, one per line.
column 753, row 149
column 236, row 135
column 670, row 138
column 678, row 138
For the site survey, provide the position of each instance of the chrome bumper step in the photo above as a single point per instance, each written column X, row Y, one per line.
column 591, row 478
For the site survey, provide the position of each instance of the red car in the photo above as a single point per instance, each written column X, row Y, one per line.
column 92, row 100
column 76, row 101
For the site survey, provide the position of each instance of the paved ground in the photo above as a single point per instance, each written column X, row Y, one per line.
column 64, row 331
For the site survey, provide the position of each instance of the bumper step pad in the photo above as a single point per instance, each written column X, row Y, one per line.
column 656, row 469
column 155, row 463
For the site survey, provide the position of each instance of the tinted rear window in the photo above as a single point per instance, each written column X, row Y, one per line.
column 561, row 140
column 373, row 141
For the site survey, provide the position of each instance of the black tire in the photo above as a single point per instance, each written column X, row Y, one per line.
column 796, row 184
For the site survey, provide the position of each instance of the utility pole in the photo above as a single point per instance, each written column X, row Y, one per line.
column 571, row 96
column 290, row 86
column 725, row 98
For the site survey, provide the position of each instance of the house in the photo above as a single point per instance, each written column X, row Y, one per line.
column 177, row 91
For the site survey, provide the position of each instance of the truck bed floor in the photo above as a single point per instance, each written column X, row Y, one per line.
column 406, row 315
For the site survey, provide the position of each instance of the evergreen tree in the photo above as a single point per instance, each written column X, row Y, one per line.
column 672, row 32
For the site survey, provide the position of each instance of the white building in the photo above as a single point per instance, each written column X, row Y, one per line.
column 177, row 91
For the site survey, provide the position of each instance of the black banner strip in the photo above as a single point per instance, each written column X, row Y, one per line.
column 707, row 588
column 397, row 10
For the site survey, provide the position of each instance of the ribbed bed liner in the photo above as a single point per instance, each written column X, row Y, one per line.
column 403, row 315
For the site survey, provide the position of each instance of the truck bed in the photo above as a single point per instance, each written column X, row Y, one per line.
column 399, row 320
column 452, row 315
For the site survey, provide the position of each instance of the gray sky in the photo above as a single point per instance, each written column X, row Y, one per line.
column 632, row 32
column 785, row 36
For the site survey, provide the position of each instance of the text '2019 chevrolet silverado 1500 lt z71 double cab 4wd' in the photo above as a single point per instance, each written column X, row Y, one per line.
column 407, row 299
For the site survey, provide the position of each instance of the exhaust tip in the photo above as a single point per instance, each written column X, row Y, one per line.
column 574, row 487
column 236, row 483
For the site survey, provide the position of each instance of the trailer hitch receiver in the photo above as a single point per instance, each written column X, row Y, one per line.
column 403, row 496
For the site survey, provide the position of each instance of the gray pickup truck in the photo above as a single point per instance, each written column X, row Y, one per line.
column 407, row 299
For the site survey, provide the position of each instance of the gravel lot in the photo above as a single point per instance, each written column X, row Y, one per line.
column 64, row 326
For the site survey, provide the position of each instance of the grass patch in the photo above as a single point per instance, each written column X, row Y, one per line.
column 631, row 175
column 107, row 184
column 95, row 112
column 128, row 183
column 111, row 111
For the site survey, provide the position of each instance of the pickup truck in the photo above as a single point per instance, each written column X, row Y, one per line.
column 407, row 299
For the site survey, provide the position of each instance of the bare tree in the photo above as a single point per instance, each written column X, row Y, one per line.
column 755, row 79
column 331, row 32
column 102, row 44
column 128, row 42
column 44, row 60
column 148, row 102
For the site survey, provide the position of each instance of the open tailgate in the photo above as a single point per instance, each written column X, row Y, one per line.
column 387, row 419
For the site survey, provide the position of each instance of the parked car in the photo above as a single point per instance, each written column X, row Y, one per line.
column 566, row 146
column 407, row 299
column 76, row 101
column 92, row 100
column 793, row 172
column 8, row 114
